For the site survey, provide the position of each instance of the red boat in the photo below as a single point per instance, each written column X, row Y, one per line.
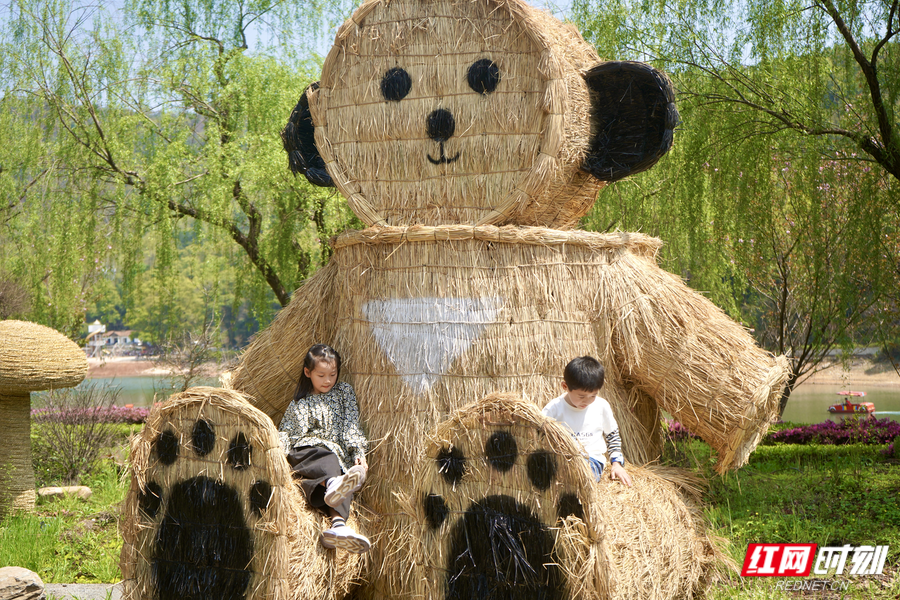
column 847, row 407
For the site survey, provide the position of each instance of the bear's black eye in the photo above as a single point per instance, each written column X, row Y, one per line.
column 484, row 75
column 395, row 84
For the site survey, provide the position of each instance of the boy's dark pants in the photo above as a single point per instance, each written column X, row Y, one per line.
column 314, row 465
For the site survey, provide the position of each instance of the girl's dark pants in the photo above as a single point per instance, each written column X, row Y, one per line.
column 315, row 465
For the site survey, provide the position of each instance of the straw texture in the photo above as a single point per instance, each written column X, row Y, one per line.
column 16, row 473
column 428, row 318
column 212, row 510
column 517, row 142
column 531, row 468
column 441, row 121
column 34, row 357
column 604, row 540
column 657, row 538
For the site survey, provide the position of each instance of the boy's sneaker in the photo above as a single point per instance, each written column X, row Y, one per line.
column 341, row 487
column 344, row 538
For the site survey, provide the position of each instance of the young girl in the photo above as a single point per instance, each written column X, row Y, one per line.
column 321, row 434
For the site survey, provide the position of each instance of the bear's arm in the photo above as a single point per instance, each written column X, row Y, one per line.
column 271, row 365
column 698, row 364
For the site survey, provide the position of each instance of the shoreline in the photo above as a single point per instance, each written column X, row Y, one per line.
column 861, row 373
column 126, row 366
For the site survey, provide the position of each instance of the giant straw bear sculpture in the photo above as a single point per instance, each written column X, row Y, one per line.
column 471, row 135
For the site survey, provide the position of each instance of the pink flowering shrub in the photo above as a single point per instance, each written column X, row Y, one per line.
column 675, row 431
column 99, row 414
column 849, row 431
column 893, row 450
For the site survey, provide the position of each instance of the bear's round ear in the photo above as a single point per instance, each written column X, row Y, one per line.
column 298, row 138
column 632, row 117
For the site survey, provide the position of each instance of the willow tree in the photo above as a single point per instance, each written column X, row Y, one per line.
column 162, row 121
column 52, row 249
column 781, row 195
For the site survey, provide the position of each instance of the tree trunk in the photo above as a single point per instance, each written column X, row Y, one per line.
column 791, row 382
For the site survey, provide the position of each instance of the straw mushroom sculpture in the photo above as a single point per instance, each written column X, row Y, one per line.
column 32, row 358
column 471, row 136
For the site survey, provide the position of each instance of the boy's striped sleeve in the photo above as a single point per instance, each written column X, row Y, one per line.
column 614, row 447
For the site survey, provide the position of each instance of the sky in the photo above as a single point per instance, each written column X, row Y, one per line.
column 560, row 8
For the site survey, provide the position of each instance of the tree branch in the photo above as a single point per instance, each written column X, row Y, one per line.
column 890, row 155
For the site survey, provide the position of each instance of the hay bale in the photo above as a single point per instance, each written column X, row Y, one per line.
column 657, row 536
column 505, row 506
column 437, row 87
column 212, row 510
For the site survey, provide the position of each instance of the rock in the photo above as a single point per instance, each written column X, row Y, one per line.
column 82, row 491
column 17, row 583
column 85, row 591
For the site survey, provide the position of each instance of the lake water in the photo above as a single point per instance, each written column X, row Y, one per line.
column 808, row 404
column 142, row 391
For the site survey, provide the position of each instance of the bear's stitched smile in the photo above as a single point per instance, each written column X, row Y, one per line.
column 443, row 159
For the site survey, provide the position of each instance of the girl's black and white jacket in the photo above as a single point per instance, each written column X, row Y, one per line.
column 330, row 419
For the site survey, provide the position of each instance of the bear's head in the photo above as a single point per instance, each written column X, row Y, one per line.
column 474, row 112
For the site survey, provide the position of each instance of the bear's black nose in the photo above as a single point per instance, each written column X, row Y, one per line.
column 440, row 125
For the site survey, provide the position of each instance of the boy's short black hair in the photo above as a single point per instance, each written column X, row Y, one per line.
column 584, row 373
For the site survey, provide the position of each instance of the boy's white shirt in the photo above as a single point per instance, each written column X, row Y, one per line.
column 589, row 425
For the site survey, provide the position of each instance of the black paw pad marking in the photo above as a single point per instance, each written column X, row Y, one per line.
column 501, row 450
column 436, row 510
column 451, row 465
column 500, row 549
column 239, row 452
column 260, row 494
column 570, row 505
column 203, row 546
column 541, row 468
column 150, row 499
column 166, row 447
column 203, row 438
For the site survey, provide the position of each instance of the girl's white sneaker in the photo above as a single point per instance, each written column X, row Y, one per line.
column 344, row 485
column 344, row 538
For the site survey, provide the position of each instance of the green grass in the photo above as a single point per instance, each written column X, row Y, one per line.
column 69, row 540
column 829, row 495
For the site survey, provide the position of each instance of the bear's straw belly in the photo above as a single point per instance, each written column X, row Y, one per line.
column 434, row 317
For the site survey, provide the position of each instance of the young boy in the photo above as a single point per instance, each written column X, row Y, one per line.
column 589, row 417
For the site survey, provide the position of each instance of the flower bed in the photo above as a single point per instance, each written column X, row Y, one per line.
column 848, row 431
column 99, row 414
